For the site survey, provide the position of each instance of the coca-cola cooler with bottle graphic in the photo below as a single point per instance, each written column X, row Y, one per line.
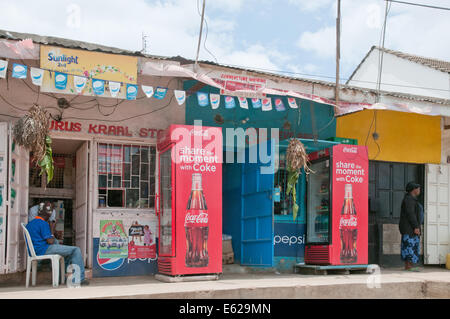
column 337, row 206
column 190, row 200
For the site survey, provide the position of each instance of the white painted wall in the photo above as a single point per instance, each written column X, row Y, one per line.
column 407, row 77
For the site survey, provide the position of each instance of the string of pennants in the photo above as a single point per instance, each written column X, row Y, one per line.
column 265, row 104
column 204, row 99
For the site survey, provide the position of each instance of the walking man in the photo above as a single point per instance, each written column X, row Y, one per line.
column 410, row 218
column 45, row 244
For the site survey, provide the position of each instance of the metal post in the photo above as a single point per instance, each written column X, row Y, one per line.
column 338, row 49
column 199, row 37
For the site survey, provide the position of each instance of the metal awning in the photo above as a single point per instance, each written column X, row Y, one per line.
column 310, row 144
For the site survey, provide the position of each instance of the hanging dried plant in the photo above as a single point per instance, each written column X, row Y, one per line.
column 296, row 159
column 31, row 131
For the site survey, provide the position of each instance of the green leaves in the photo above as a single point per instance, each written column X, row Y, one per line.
column 46, row 164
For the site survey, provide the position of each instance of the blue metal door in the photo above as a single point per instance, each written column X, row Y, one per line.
column 257, row 206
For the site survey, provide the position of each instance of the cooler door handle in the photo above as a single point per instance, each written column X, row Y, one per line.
column 157, row 204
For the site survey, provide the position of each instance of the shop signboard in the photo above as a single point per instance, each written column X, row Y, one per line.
column 289, row 239
column 114, row 267
column 141, row 241
column 103, row 66
column 113, row 239
column 97, row 128
column 140, row 254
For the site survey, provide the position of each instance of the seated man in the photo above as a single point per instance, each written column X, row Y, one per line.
column 45, row 244
column 33, row 212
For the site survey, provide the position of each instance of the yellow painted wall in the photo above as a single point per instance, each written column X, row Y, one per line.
column 403, row 137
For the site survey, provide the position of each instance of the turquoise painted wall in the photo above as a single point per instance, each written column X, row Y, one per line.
column 304, row 123
column 301, row 119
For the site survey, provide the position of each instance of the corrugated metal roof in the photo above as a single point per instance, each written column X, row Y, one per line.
column 73, row 44
column 436, row 64
column 332, row 84
column 440, row 65
column 10, row 35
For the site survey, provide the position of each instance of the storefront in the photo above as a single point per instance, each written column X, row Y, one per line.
column 407, row 148
column 264, row 232
column 105, row 161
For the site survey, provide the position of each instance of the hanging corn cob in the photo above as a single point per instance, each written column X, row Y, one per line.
column 296, row 159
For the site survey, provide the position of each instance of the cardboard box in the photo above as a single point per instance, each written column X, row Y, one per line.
column 227, row 252
column 227, row 247
column 228, row 258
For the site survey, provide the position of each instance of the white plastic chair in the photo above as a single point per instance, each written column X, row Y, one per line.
column 32, row 260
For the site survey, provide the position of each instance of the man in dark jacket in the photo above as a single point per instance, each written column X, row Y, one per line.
column 410, row 227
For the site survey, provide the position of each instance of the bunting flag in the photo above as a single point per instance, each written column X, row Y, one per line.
column 243, row 102
column 292, row 103
column 160, row 93
column 202, row 98
column 79, row 82
column 180, row 96
column 98, row 86
column 266, row 104
column 279, row 106
column 229, row 102
column 132, row 90
column 37, row 75
column 256, row 103
column 19, row 71
column 148, row 90
column 215, row 100
column 3, row 68
column 114, row 88
column 60, row 80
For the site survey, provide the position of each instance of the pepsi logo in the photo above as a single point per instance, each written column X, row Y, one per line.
column 109, row 264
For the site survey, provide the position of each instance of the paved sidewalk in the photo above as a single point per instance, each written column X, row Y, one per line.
column 395, row 283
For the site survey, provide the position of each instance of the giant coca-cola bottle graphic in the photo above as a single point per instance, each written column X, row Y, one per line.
column 196, row 226
column 348, row 228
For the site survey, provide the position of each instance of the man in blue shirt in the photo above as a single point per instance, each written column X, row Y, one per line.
column 34, row 210
column 45, row 244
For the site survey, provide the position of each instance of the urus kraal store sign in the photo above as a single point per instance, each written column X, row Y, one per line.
column 103, row 129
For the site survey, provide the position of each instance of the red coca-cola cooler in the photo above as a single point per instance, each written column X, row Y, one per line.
column 190, row 200
column 337, row 206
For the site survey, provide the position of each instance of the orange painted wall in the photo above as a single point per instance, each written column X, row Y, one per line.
column 403, row 137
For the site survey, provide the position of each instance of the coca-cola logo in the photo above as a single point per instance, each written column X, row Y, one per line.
column 197, row 132
column 353, row 150
column 196, row 218
column 348, row 222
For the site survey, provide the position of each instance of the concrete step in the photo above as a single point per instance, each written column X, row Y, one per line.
column 43, row 277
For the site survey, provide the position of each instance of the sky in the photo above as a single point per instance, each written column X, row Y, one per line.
column 294, row 37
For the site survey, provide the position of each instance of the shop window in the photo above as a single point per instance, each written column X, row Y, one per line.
column 284, row 206
column 62, row 173
column 126, row 176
